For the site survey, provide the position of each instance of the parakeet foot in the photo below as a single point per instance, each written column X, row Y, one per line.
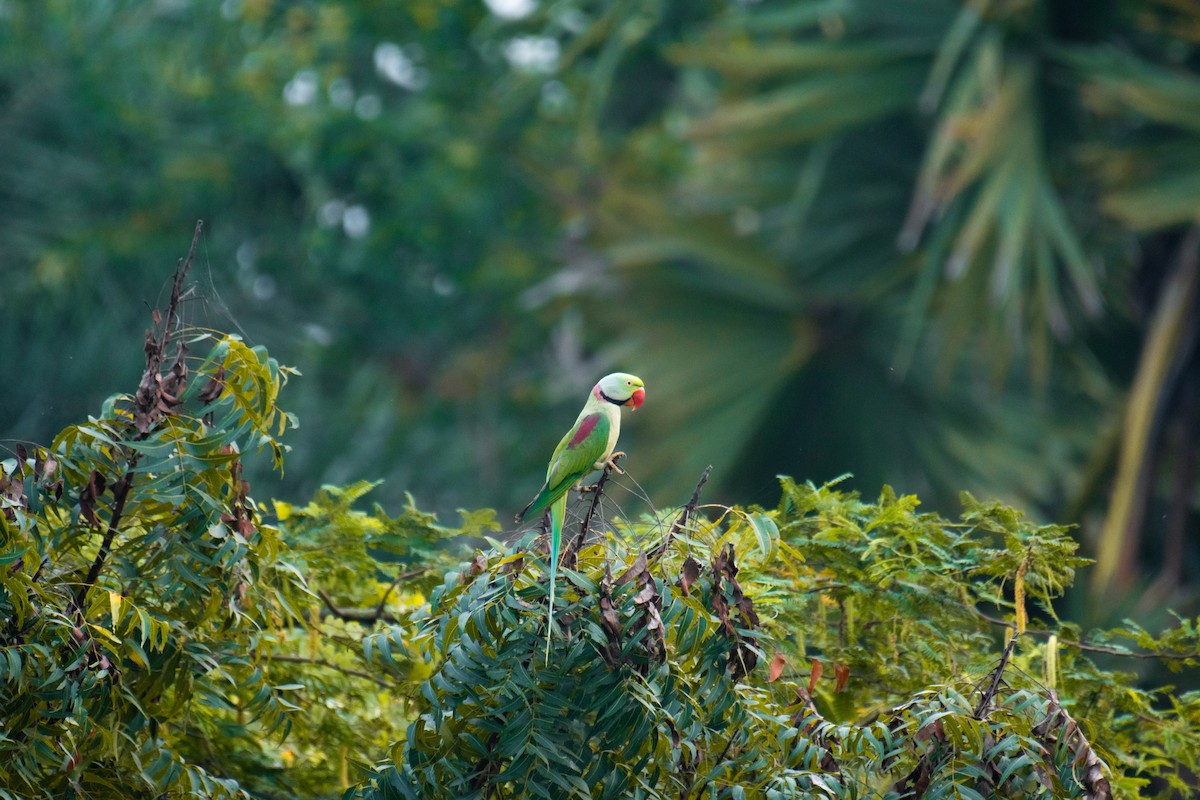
column 611, row 462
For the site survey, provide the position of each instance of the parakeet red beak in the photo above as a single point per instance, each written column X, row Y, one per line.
column 636, row 399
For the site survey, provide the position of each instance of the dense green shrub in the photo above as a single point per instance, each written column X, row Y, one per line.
column 138, row 582
column 830, row 647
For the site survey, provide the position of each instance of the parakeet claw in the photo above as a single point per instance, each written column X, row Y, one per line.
column 611, row 463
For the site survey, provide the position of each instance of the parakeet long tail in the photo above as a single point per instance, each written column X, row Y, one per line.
column 558, row 510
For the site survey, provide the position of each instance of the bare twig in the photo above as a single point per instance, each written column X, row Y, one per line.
column 985, row 702
column 725, row 751
column 1059, row 729
column 120, row 496
column 321, row 662
column 684, row 517
column 1085, row 646
column 573, row 547
column 916, row 782
column 400, row 578
column 364, row 615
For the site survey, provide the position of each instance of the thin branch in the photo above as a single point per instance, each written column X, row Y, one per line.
column 917, row 781
column 985, row 702
column 684, row 516
column 177, row 288
column 400, row 578
column 364, row 615
column 120, row 495
column 722, row 754
column 573, row 547
column 321, row 662
column 1087, row 648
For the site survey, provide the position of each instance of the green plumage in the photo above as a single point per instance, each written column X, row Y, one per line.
column 586, row 447
column 571, row 462
column 575, row 456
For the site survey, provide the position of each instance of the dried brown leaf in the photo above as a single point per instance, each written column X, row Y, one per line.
column 610, row 622
column 635, row 572
column 212, row 390
column 89, row 495
column 777, row 665
column 841, row 673
column 814, row 674
column 478, row 565
column 1059, row 728
column 688, row 574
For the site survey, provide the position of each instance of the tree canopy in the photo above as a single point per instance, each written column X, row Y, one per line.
column 166, row 633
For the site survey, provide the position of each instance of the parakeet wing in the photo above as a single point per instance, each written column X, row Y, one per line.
column 575, row 456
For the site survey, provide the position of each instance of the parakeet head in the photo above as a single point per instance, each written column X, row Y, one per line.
column 621, row 389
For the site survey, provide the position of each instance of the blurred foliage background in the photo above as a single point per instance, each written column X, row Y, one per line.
column 944, row 245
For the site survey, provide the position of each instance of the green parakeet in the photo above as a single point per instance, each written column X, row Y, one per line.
column 587, row 446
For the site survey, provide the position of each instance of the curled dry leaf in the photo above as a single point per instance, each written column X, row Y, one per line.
column 212, row 390
column 814, row 674
column 742, row 656
column 649, row 600
column 777, row 665
column 635, row 572
column 841, row 674
column 688, row 575
column 88, row 497
column 513, row 567
column 478, row 565
column 610, row 623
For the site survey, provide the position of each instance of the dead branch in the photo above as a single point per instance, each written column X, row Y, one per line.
column 985, row 702
column 570, row 554
column 321, row 662
column 1057, row 730
column 1086, row 646
column 400, row 578
column 366, row 616
column 151, row 401
column 684, row 517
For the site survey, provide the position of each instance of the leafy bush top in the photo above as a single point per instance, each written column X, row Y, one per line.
column 829, row 647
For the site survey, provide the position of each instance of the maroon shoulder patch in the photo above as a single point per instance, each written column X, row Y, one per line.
column 586, row 426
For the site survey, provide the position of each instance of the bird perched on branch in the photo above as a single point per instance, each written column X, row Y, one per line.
column 587, row 446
